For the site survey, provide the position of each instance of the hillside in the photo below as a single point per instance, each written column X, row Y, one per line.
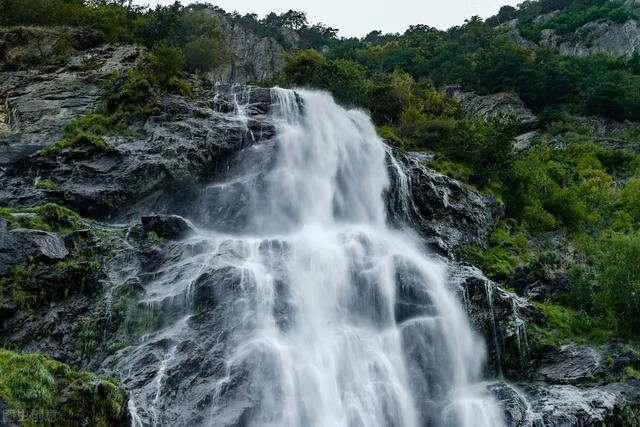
column 513, row 155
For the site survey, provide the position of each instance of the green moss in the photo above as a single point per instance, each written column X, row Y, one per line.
column 455, row 170
column 38, row 284
column 78, row 139
column 509, row 247
column 563, row 325
column 47, row 217
column 43, row 391
column 631, row 372
column 45, row 184
column 129, row 316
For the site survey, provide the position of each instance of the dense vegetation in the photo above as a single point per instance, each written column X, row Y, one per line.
column 42, row 391
column 194, row 33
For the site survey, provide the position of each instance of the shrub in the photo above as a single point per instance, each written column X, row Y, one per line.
column 54, row 393
column 165, row 62
column 205, row 54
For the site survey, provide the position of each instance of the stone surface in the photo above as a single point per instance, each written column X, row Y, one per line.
column 500, row 316
column 17, row 246
column 569, row 363
column 188, row 144
column 617, row 39
column 38, row 103
column 500, row 106
column 255, row 57
column 167, row 226
column 446, row 213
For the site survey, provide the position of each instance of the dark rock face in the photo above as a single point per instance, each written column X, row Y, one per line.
column 167, row 226
column 188, row 144
column 569, row 363
column 17, row 246
column 445, row 212
column 502, row 318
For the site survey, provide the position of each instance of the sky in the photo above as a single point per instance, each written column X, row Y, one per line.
column 359, row 17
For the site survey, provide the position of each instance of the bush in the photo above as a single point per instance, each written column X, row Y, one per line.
column 618, row 278
column 205, row 54
column 52, row 391
column 165, row 62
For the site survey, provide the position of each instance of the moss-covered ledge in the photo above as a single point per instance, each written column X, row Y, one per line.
column 40, row 391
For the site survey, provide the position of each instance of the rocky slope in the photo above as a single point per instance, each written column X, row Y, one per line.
column 614, row 38
column 131, row 233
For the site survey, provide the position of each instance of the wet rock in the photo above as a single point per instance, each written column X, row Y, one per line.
column 569, row 363
column 172, row 227
column 446, row 213
column 158, row 170
column 568, row 405
column 514, row 404
column 500, row 316
column 19, row 245
column 501, row 106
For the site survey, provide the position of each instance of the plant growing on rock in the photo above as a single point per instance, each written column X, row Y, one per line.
column 46, row 392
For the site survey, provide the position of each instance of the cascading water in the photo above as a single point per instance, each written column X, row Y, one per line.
column 315, row 313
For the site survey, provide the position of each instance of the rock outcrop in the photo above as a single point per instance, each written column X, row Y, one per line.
column 182, row 147
column 448, row 214
column 255, row 57
column 37, row 102
column 610, row 37
column 499, row 106
column 19, row 245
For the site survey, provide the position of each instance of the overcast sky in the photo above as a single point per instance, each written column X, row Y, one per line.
column 358, row 17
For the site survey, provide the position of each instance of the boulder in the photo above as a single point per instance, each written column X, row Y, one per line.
column 17, row 246
column 502, row 106
column 171, row 227
column 568, row 363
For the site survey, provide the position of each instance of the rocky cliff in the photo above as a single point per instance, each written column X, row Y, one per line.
column 603, row 35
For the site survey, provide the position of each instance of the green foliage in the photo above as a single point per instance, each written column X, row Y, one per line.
column 47, row 217
column 618, row 279
column 563, row 325
column 509, row 248
column 45, row 184
column 45, row 391
column 165, row 62
column 38, row 284
column 206, row 53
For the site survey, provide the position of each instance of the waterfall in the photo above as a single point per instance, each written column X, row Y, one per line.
column 316, row 312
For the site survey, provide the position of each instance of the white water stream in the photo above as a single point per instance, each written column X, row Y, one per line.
column 318, row 331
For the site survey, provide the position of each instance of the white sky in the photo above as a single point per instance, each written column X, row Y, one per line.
column 358, row 17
